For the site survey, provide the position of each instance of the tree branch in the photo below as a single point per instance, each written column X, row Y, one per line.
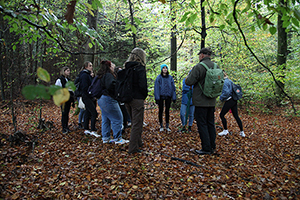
column 268, row 69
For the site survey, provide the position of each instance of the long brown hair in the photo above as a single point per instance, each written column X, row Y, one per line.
column 105, row 68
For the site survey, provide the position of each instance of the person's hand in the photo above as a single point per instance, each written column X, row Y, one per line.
column 157, row 101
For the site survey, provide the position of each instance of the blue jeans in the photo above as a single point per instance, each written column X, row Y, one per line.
column 183, row 111
column 112, row 118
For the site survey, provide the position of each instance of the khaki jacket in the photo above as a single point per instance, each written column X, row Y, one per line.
column 197, row 74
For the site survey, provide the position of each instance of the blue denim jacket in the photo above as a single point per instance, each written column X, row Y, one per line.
column 227, row 90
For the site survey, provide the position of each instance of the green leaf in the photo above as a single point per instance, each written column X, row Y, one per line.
column 90, row 45
column 272, row 30
column 221, row 27
column 29, row 92
column 295, row 21
column 184, row 17
column 70, row 85
column 297, row 14
column 133, row 29
column 265, row 26
column 41, row 92
column 43, row 74
column 53, row 89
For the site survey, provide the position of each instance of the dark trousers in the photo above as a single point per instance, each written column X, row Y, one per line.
column 65, row 114
column 206, row 127
column 136, row 109
column 161, row 103
column 90, row 113
column 230, row 104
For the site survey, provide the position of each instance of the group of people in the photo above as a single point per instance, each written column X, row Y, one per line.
column 194, row 102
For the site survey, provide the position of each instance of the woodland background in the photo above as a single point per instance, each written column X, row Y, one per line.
column 255, row 42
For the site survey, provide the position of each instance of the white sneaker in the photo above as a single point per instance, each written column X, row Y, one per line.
column 168, row 129
column 144, row 124
column 242, row 134
column 161, row 129
column 87, row 132
column 224, row 132
column 129, row 124
column 121, row 141
column 94, row 134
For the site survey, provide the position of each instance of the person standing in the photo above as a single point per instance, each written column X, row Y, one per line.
column 187, row 108
column 112, row 118
column 135, row 108
column 90, row 106
column 204, row 106
column 65, row 108
column 164, row 94
column 230, row 103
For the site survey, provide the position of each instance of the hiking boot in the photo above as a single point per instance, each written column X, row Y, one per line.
column 224, row 132
column 242, row 134
column 190, row 129
column 65, row 131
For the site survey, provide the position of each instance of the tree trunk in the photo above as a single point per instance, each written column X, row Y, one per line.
column 173, row 38
column 132, row 22
column 92, row 23
column 281, row 54
column 203, row 29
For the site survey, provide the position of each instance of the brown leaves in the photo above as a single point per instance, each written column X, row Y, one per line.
column 70, row 11
column 75, row 166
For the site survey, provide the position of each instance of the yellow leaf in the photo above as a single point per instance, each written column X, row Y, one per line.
column 61, row 96
column 43, row 74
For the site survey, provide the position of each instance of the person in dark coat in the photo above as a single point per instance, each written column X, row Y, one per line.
column 65, row 108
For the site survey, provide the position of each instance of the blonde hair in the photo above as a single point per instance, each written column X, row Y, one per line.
column 139, row 55
column 62, row 71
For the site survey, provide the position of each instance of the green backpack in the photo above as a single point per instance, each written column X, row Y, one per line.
column 214, row 81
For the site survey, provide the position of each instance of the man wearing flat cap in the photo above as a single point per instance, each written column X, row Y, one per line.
column 204, row 106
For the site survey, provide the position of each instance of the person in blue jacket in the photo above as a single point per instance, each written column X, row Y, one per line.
column 230, row 104
column 164, row 93
column 187, row 108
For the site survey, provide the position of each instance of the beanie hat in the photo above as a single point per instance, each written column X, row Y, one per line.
column 164, row 65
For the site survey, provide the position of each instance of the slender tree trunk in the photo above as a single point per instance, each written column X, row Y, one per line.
column 281, row 54
column 203, row 29
column 132, row 22
column 173, row 38
column 92, row 23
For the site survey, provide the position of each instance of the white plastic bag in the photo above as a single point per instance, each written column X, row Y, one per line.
column 81, row 104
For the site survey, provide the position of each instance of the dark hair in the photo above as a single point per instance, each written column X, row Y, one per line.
column 205, row 51
column 167, row 74
column 104, row 68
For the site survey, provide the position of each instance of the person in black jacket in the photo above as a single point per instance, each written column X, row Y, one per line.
column 90, row 105
column 65, row 108
column 135, row 108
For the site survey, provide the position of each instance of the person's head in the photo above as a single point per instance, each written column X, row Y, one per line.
column 164, row 70
column 65, row 71
column 106, row 66
column 138, row 55
column 204, row 52
column 88, row 66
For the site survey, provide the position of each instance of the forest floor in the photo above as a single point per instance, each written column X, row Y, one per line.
column 47, row 164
